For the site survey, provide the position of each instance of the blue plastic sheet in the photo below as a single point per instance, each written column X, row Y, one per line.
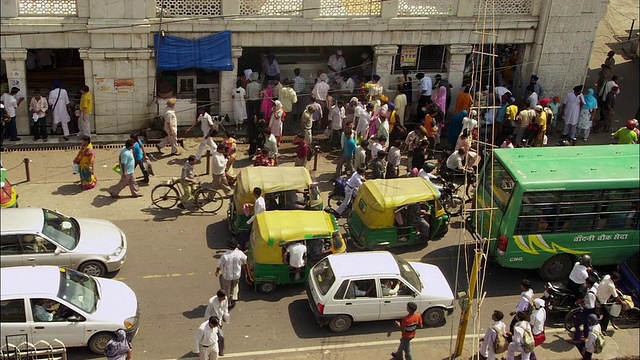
column 211, row 52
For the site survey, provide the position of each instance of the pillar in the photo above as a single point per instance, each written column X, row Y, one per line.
column 389, row 9
column 230, row 7
column 310, row 9
column 457, row 58
column 16, row 74
column 10, row 8
column 383, row 62
column 228, row 83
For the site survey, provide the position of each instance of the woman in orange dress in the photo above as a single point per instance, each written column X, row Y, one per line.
column 464, row 100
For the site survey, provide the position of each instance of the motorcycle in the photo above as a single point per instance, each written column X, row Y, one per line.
column 558, row 299
column 452, row 202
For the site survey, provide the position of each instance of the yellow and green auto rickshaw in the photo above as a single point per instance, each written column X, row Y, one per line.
column 384, row 213
column 273, row 233
column 283, row 188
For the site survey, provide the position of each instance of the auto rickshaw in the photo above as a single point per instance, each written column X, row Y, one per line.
column 271, row 235
column 380, row 217
column 8, row 195
column 279, row 186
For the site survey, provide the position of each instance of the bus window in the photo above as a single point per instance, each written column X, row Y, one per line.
column 503, row 183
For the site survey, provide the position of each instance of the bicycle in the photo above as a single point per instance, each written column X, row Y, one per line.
column 627, row 319
column 168, row 195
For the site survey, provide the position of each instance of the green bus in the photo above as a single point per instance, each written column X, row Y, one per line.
column 546, row 206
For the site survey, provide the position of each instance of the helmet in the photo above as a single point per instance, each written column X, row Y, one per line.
column 428, row 167
column 585, row 260
column 631, row 124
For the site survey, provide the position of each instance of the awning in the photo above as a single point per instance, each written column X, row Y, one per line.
column 211, row 52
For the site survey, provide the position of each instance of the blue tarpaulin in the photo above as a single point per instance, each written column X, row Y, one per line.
column 211, row 52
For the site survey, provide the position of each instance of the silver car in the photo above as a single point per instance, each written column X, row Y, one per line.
column 32, row 236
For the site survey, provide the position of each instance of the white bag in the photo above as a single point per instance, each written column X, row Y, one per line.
column 615, row 310
column 76, row 168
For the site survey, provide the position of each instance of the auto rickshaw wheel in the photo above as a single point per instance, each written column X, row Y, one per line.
column 267, row 287
column 340, row 323
column 434, row 317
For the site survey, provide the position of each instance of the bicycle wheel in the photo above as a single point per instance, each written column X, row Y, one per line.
column 570, row 319
column 628, row 319
column 165, row 196
column 471, row 190
column 208, row 200
column 453, row 205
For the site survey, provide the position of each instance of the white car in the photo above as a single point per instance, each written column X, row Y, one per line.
column 33, row 236
column 376, row 285
column 42, row 304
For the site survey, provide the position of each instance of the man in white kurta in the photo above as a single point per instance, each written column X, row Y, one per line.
column 170, row 127
column 58, row 101
column 571, row 106
column 206, row 123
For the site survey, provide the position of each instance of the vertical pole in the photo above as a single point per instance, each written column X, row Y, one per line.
column 633, row 22
column 208, row 156
column 26, row 168
column 315, row 157
column 464, row 318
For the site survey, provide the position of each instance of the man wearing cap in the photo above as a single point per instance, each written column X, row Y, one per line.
column 38, row 107
column 10, row 104
column 207, row 339
column 253, row 96
column 170, row 127
column 58, row 102
column 571, row 106
column 336, row 64
column 537, row 88
column 218, row 306
column 590, row 344
column 588, row 303
column 230, row 268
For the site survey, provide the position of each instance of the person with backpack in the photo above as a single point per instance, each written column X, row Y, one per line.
column 495, row 339
column 525, row 304
column 595, row 341
column 522, row 339
column 588, row 303
column 538, row 318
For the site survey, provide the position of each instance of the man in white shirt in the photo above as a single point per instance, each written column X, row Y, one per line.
column 579, row 274
column 538, row 318
column 296, row 252
column 336, row 120
column 170, row 127
column 524, row 304
column 426, row 87
column 206, row 124
column 360, row 158
column 532, row 96
column 351, row 190
column 488, row 342
column 336, row 64
column 393, row 160
column 517, row 340
column 427, row 173
column 207, row 339
column 590, row 343
column 218, row 306
column 363, row 118
column 218, row 170
column 259, row 204
column 38, row 108
column 588, row 307
column 299, row 86
column 58, row 102
column 347, row 85
column 455, row 161
column 607, row 290
column 229, row 270
column 271, row 68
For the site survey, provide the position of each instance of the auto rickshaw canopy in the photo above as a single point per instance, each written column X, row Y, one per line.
column 378, row 199
column 272, row 229
column 270, row 180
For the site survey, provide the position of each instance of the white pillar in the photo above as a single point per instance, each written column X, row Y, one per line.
column 383, row 58
column 389, row 9
column 17, row 76
column 457, row 59
column 9, row 8
column 230, row 7
column 228, row 83
column 311, row 9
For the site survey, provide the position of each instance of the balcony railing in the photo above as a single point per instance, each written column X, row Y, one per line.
column 503, row 7
column 48, row 8
column 427, row 8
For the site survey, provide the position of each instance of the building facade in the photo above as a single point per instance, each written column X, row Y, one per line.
column 109, row 45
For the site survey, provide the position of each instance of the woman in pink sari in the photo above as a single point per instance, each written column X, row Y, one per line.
column 267, row 102
column 441, row 99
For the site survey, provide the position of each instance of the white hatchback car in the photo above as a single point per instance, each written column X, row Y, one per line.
column 48, row 303
column 376, row 285
column 33, row 236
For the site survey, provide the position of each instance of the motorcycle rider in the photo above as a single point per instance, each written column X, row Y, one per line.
column 588, row 307
column 351, row 190
column 579, row 274
column 427, row 173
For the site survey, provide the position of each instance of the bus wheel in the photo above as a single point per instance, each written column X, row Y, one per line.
column 556, row 268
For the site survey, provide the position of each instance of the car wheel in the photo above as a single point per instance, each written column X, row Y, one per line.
column 433, row 317
column 340, row 323
column 99, row 341
column 556, row 268
column 267, row 287
column 93, row 268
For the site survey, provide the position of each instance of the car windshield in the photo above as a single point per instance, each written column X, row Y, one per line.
column 323, row 276
column 409, row 273
column 64, row 230
column 79, row 289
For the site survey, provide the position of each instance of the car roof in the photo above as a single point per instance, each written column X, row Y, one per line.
column 21, row 219
column 364, row 263
column 22, row 280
